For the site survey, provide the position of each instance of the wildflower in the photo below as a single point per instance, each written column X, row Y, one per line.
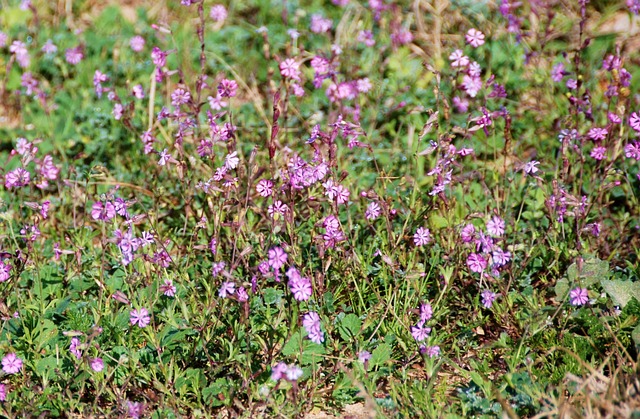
column 432, row 351
column 471, row 85
column 5, row 271
column 495, row 226
column 557, row 72
column 277, row 208
column 216, row 268
column 103, row 212
column 138, row 91
column 74, row 55
column 578, row 296
column 226, row 289
column 227, row 88
column 140, row 317
column 373, row 211
column 168, row 288
column 634, row 121
column 572, row 84
column 218, row 13
column 278, row 370
column 241, row 294
column 500, row 257
column 216, row 103
column 341, row 194
column 294, row 34
column 49, row 47
column 488, row 297
column 158, row 57
column 179, row 97
column 300, row 286
column 476, row 263
column 11, row 364
column 419, row 332
column 231, row 161
column 474, row 37
column 458, row 59
column 264, row 188
column 17, row 178
column 97, row 364
column 293, row 372
column 118, row 110
column 363, row 85
column 137, row 43
column 364, row 356
column 320, row 24
column 426, row 312
column 73, row 348
column 462, row 105
column 311, row 322
column 277, row 258
column 290, row 68
column 164, row 157
column 531, row 167
column 366, row 37
column 422, row 236
column 598, row 153
column 135, row 409
column 597, row 133
column 3, row 392
column 474, row 70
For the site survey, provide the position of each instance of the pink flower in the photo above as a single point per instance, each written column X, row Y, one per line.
column 598, row 133
column 373, row 211
column 474, row 37
column 320, row 24
column 422, row 236
column 278, row 371
column 17, row 178
column 264, row 188
column 311, row 322
column 364, row 356
column 103, row 212
column 231, row 161
column 458, row 59
column 226, row 289
column 488, row 297
column 578, row 296
column 218, row 13
column 290, row 68
column 227, row 88
column 5, row 271
column 471, row 85
column 179, row 97
column 47, row 169
column 432, row 351
column 277, row 258
column 599, row 153
column 495, row 226
column 531, row 168
column 11, row 364
column 74, row 55
column 557, row 73
column 137, row 43
column 140, row 317
column 476, row 263
column 97, row 364
column 419, row 332
column 168, row 288
column 299, row 285
column 634, row 121
column 73, row 348
column 3, row 392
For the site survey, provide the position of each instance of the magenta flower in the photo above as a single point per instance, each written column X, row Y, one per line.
column 474, row 37
column 419, row 332
column 277, row 258
column 5, row 271
column 11, row 364
column 289, row 68
column 476, row 263
column 74, row 348
column 578, row 296
column 278, row 371
column 373, row 211
column 17, row 178
column 74, row 55
column 634, row 121
column 226, row 289
column 598, row 153
column 3, row 392
column 299, row 285
column 97, row 364
column 597, row 134
column 227, row 88
column 140, row 317
column 495, row 226
column 168, row 288
column 531, row 168
column 311, row 322
column 180, row 97
column 320, row 24
column 103, row 212
column 432, row 351
column 488, row 297
column 422, row 236
column 458, row 59
column 137, row 43
column 264, row 188
column 426, row 312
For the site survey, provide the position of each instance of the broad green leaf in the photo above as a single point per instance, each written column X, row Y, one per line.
column 380, row 355
column 621, row 292
column 593, row 270
column 349, row 327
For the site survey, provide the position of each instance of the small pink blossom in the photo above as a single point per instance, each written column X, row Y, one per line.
column 97, row 364
column 140, row 317
column 476, row 263
column 474, row 37
column 458, row 59
column 495, row 226
column 578, row 297
column 137, row 43
column 218, row 13
column 11, row 364
column 422, row 236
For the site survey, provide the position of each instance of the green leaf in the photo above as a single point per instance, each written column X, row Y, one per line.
column 621, row 292
column 299, row 345
column 349, row 327
column 593, row 270
column 635, row 335
column 380, row 355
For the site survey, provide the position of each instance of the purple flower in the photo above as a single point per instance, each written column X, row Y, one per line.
column 74, row 55
column 73, row 348
column 140, row 317
column 598, row 133
column 578, row 296
column 299, row 285
column 277, row 258
column 426, row 312
column 3, row 392
column 5, row 271
column 373, row 211
column 135, row 409
column 422, row 236
column 432, row 351
column 458, row 59
column 598, row 153
column 11, row 364
column 488, row 297
column 364, row 356
column 137, row 43
column 278, row 371
column 218, row 13
column 467, row 234
column 264, row 188
column 168, row 288
column 97, row 364
column 311, row 322
column 531, row 168
column 17, row 178
column 419, row 332
column 320, row 24
column 476, row 263
column 227, row 88
column 557, row 72
column 179, row 97
column 290, row 68
column 634, row 121
column 103, row 212
column 495, row 226
column 226, row 289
